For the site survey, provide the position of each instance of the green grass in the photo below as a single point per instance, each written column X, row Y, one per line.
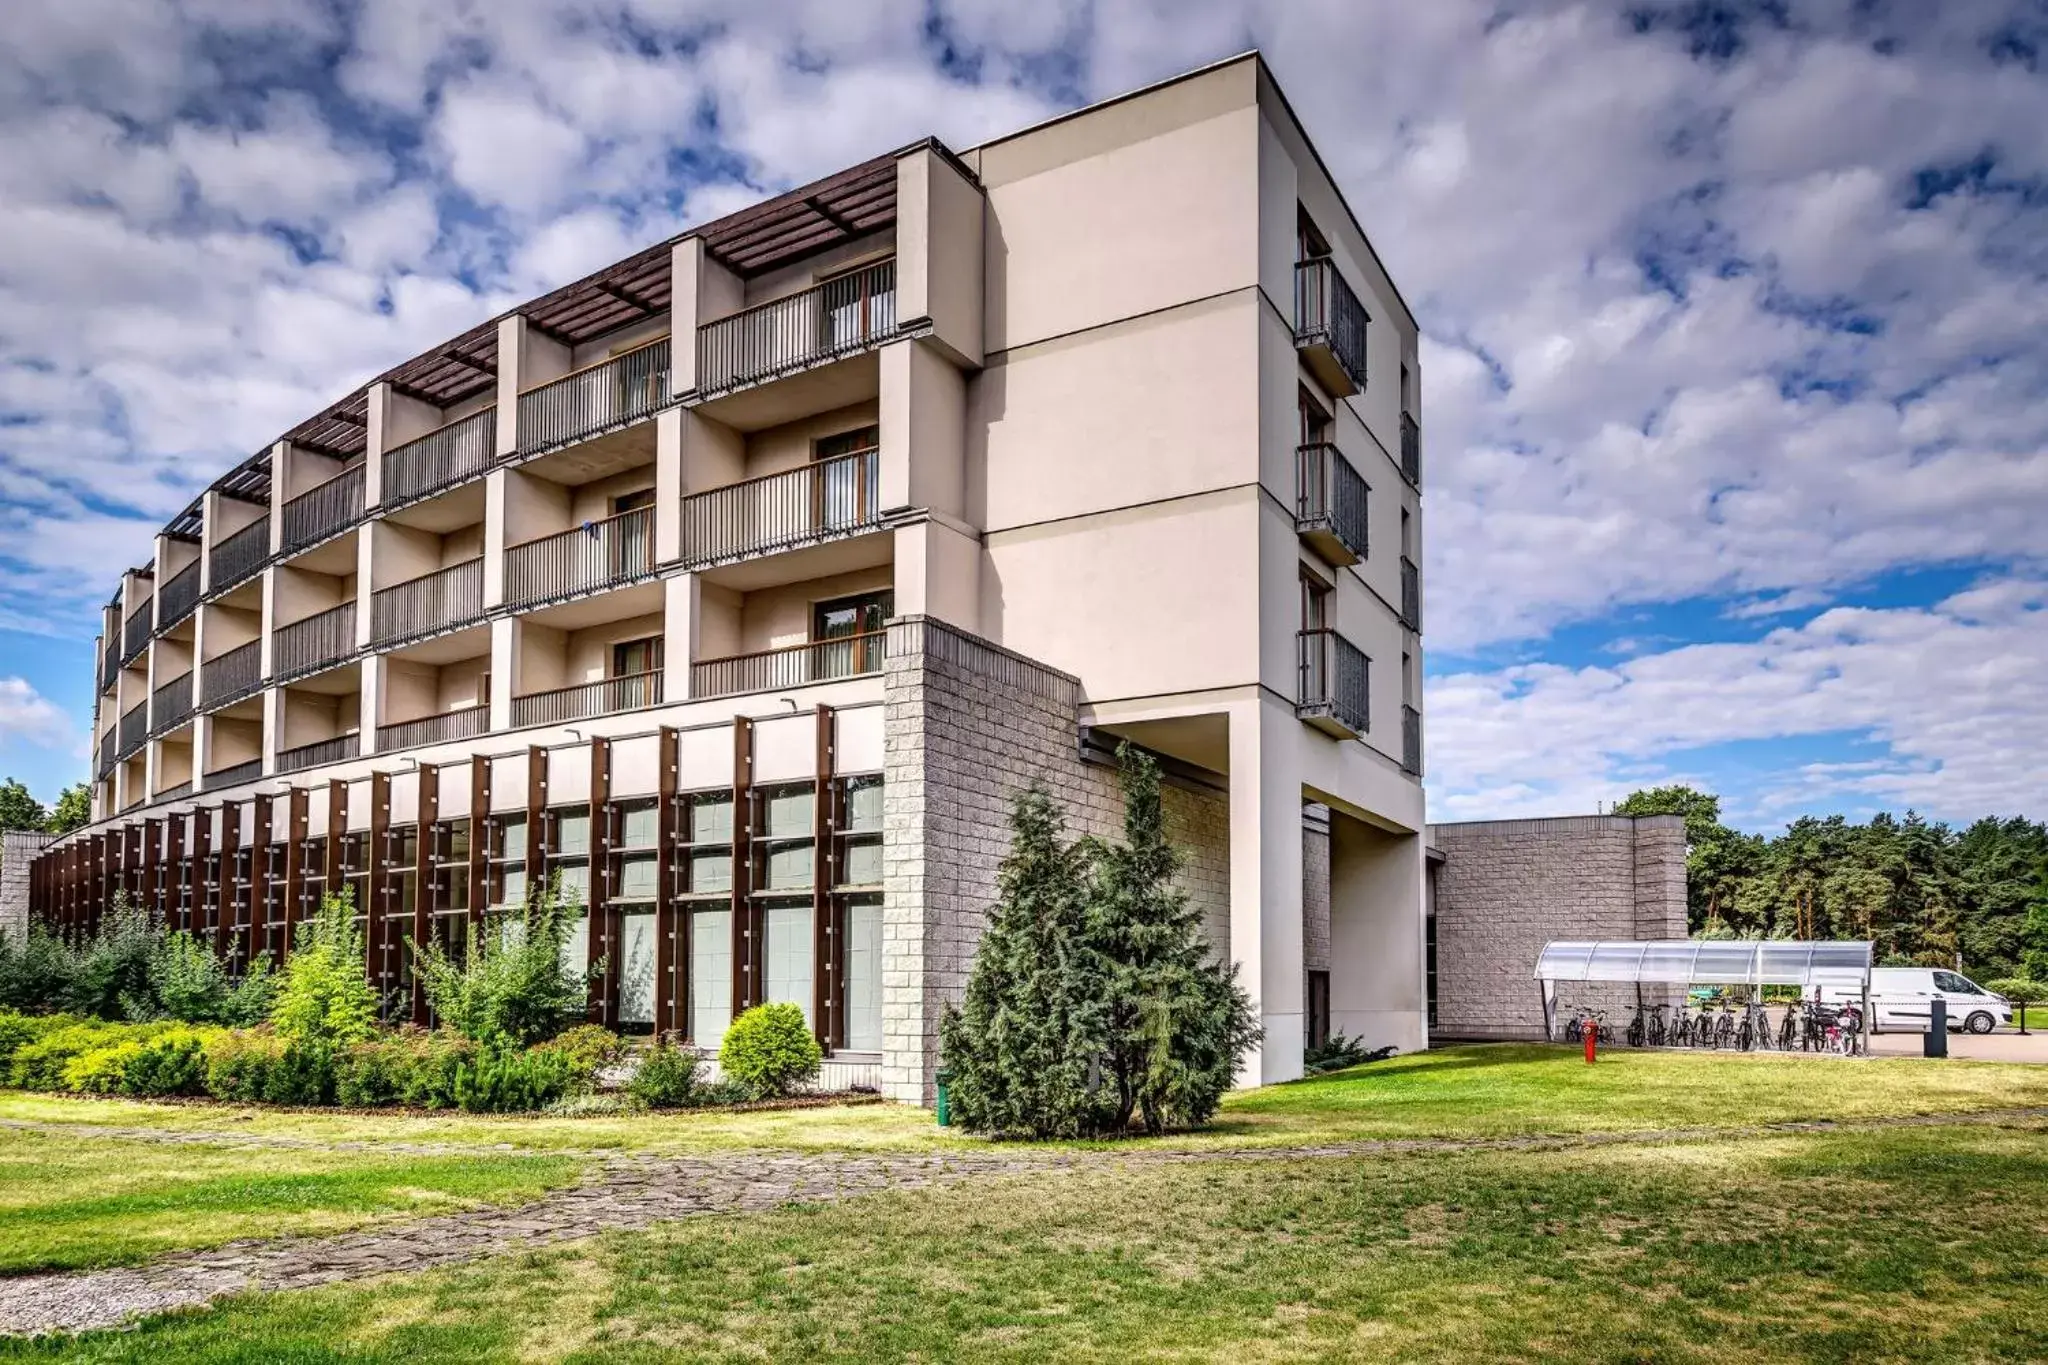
column 1481, row 1091
column 67, row 1203
column 1907, row 1244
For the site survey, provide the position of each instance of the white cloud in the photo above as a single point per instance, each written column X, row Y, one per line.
column 26, row 715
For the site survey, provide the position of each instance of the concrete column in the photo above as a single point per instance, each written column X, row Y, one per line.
column 1377, row 989
column 682, row 609
column 394, row 419
column 280, row 492
column 923, row 421
column 505, row 632
column 939, row 253
column 938, row 573
column 370, row 704
column 202, row 750
column 273, row 727
column 702, row 291
column 269, row 617
column 209, row 534
column 495, row 486
column 1265, row 882
column 668, row 486
column 366, row 575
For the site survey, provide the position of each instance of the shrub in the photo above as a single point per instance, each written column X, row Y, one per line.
column 323, row 998
column 1338, row 1052
column 670, row 1076
column 17, row 1030
column 769, row 1051
column 187, row 981
column 36, row 971
column 2022, row 992
column 588, row 1049
column 411, row 1067
column 100, row 1070
column 302, row 1074
column 503, row 1081
column 40, row 1064
column 171, row 1063
column 511, row 987
column 110, row 975
column 238, row 1065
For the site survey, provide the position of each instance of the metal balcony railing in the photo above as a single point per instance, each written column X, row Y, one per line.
column 1330, row 503
column 595, row 555
column 1330, row 324
column 1411, row 595
column 110, row 665
column 467, row 723
column 174, row 791
column 134, row 730
column 176, row 598
column 457, row 453
column 620, row 390
column 318, row 752
column 849, row 656
column 234, row 774
column 782, row 511
column 237, row 556
column 233, row 675
column 1411, row 450
column 598, row 698
column 320, row 512
column 108, row 743
column 824, row 322
column 444, row 600
column 314, row 643
column 171, row 704
column 1332, row 690
column 1411, row 740
column 135, row 631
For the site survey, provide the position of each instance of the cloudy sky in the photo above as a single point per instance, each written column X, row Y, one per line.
column 1736, row 316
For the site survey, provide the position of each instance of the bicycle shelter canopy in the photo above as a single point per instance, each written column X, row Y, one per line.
column 1809, row 964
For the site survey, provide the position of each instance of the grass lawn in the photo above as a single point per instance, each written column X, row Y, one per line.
column 67, row 1203
column 1482, row 1091
column 1910, row 1244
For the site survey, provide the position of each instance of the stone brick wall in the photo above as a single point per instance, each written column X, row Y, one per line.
column 968, row 724
column 17, row 849
column 1506, row 887
column 1315, row 888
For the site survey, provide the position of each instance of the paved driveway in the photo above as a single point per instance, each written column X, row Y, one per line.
column 2006, row 1045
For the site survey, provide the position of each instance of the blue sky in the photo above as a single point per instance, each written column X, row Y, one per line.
column 1735, row 377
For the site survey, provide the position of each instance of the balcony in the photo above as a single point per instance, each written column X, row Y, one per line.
column 234, row 774
column 313, row 755
column 457, row 453
column 1411, row 450
column 312, row 644
column 1411, row 740
column 134, row 730
column 320, row 512
column 837, row 318
column 1331, row 689
column 135, row 632
column 467, row 723
column 172, row 793
column 176, row 598
column 1330, row 326
column 598, row 698
column 1411, row 595
column 171, row 705
column 239, row 555
column 108, row 741
column 595, row 555
column 849, row 656
column 233, row 675
column 110, row 666
column 445, row 600
column 1329, row 503
column 621, row 390
column 797, row 507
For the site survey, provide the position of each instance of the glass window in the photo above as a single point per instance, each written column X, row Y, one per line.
column 790, row 813
column 576, row 947
column 572, row 832
column 710, row 873
column 637, row 879
column 789, row 869
column 512, row 886
column 636, row 969
column 710, row 976
column 789, row 955
column 512, row 836
column 863, row 866
column 575, row 882
column 864, row 804
column 711, row 819
column 1949, row 981
column 639, row 827
column 864, row 976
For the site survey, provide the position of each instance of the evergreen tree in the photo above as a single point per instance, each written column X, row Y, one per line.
column 73, row 809
column 323, row 995
column 1177, row 1020
column 2034, row 938
column 18, row 809
column 1024, row 1045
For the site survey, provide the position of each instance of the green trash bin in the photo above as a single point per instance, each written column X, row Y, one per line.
column 945, row 1102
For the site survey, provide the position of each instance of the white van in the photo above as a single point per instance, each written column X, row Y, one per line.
column 1902, row 998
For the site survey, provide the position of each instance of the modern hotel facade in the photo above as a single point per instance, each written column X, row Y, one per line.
column 741, row 584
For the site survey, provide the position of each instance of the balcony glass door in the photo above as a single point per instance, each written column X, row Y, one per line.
column 847, row 634
column 847, row 488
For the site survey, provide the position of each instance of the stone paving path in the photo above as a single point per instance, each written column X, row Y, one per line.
column 624, row 1192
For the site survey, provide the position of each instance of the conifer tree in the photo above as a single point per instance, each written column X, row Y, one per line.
column 1023, row 1047
column 1177, row 1020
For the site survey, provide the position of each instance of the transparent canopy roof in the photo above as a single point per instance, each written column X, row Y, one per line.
column 1768, row 962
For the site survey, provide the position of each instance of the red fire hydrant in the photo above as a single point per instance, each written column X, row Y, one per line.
column 1592, row 1037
